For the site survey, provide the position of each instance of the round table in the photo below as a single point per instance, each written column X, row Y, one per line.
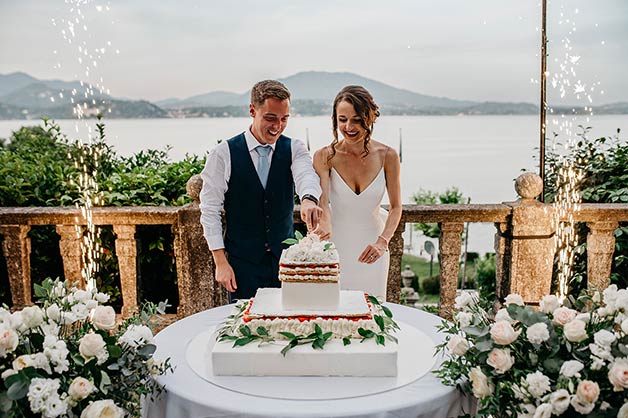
column 189, row 396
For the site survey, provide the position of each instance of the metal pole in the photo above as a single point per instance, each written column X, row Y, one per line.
column 400, row 147
column 543, row 97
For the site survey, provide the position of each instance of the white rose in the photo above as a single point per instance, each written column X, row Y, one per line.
column 624, row 326
column 479, row 383
column 549, row 304
column 571, row 368
column 563, row 315
column 580, row 406
column 102, row 409
column 601, row 352
column 53, row 312
column 104, row 317
column 91, row 304
column 623, row 411
column 503, row 333
column 32, row 316
column 93, row 346
column 82, row 295
column 604, row 338
column 464, row 319
column 538, row 333
column 502, row 315
column 458, row 345
column 543, row 411
column 500, row 360
column 101, row 297
column 559, row 401
column 80, row 388
column 597, row 363
column 514, row 298
column 80, row 311
column 463, row 300
column 575, row 331
column 8, row 340
column 538, row 384
column 588, row 391
column 136, row 335
column 584, row 317
column 621, row 302
column 618, row 374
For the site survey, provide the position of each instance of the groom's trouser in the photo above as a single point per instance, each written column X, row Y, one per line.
column 251, row 276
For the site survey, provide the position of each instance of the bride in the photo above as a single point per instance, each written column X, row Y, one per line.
column 355, row 171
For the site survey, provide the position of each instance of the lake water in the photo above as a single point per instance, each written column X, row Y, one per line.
column 481, row 155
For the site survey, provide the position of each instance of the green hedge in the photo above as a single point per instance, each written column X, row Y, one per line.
column 37, row 168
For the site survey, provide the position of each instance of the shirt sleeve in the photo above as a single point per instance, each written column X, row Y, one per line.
column 305, row 178
column 215, row 177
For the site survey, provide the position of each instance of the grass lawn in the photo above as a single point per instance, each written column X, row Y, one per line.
column 421, row 268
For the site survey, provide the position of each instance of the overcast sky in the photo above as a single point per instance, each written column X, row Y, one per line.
column 462, row 49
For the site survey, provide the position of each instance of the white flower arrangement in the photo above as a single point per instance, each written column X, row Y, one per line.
column 67, row 358
column 554, row 360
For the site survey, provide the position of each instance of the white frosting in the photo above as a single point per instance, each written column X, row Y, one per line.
column 268, row 302
column 310, row 249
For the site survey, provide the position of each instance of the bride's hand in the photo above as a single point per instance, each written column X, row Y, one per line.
column 323, row 230
column 373, row 252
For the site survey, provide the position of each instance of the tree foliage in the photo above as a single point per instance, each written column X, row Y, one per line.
column 604, row 162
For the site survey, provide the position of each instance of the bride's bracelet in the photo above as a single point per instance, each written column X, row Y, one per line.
column 385, row 240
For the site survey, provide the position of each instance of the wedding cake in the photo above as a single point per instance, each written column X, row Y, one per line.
column 308, row 327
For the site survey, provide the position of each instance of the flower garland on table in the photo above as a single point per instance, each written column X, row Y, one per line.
column 67, row 358
column 241, row 335
column 569, row 360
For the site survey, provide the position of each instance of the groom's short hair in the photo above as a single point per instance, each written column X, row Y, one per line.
column 267, row 89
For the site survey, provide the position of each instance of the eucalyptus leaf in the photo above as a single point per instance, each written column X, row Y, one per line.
column 147, row 350
column 18, row 389
column 105, row 381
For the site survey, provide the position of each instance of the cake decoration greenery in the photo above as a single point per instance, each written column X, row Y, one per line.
column 243, row 334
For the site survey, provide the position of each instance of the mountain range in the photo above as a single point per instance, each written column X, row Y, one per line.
column 25, row 97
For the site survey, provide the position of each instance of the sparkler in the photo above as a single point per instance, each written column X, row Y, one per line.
column 85, row 101
column 568, row 199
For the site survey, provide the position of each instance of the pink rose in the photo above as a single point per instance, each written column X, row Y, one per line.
column 503, row 333
column 618, row 375
column 458, row 345
column 500, row 360
column 588, row 391
column 563, row 315
column 575, row 331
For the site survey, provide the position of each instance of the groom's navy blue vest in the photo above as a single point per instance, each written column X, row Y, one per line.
column 258, row 219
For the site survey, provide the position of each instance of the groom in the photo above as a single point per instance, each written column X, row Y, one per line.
column 253, row 177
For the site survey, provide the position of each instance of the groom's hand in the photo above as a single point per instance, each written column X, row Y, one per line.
column 310, row 214
column 224, row 273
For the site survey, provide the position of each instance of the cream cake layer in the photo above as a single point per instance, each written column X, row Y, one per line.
column 356, row 359
column 267, row 302
column 310, row 296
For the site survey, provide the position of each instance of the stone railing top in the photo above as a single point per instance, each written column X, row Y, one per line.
column 107, row 215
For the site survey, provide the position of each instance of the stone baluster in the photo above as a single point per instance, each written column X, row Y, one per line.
column 502, row 275
column 600, row 249
column 16, row 247
column 126, row 252
column 71, row 254
column 531, row 245
column 195, row 272
column 450, row 247
column 395, row 247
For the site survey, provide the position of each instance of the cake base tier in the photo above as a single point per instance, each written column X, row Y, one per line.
column 415, row 359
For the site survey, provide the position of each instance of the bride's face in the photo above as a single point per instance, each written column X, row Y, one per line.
column 349, row 123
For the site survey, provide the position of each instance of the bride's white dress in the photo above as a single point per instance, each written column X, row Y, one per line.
column 357, row 220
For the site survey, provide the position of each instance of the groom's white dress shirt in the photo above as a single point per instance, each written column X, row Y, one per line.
column 216, row 176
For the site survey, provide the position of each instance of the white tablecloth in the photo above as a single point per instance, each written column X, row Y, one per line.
column 189, row 396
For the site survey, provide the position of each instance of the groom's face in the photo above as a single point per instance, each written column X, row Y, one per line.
column 269, row 119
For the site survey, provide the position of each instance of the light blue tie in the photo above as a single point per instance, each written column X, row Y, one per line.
column 263, row 164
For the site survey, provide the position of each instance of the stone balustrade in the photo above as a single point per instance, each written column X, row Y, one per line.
column 523, row 246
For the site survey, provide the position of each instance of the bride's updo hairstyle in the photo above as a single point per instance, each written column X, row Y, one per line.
column 364, row 106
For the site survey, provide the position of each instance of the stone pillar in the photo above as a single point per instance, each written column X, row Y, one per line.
column 126, row 251
column 502, row 275
column 450, row 246
column 199, row 289
column 16, row 247
column 395, row 247
column 70, row 248
column 531, row 242
column 600, row 249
